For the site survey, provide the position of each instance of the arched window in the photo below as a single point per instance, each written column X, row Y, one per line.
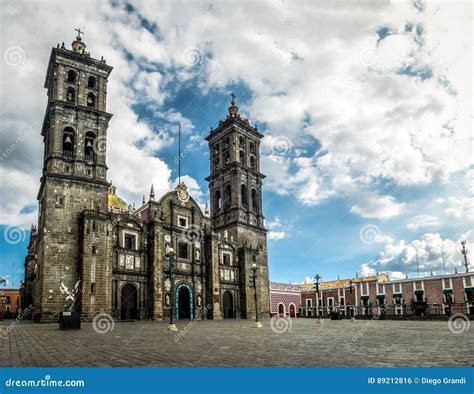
column 252, row 147
column 91, row 100
column 71, row 76
column 216, row 164
column 254, row 200
column 242, row 157
column 89, row 146
column 226, row 142
column 91, row 82
column 71, row 95
column 253, row 164
column 226, row 158
column 216, row 149
column 244, row 195
column 217, row 200
column 241, row 142
column 68, row 141
column 227, row 196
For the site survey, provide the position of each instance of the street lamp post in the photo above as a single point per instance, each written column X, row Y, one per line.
column 352, row 307
column 254, row 285
column 317, row 278
column 464, row 253
column 170, row 256
column 3, row 282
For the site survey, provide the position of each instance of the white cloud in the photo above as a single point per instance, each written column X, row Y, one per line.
column 460, row 208
column 377, row 207
column 403, row 119
column 432, row 252
column 275, row 228
column 421, row 221
column 276, row 235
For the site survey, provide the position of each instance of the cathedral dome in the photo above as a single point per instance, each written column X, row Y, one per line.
column 115, row 203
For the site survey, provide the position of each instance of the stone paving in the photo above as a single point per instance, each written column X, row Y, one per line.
column 238, row 343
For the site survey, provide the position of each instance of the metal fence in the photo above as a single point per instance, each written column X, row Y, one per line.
column 416, row 310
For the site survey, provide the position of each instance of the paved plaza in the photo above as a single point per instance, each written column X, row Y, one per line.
column 236, row 343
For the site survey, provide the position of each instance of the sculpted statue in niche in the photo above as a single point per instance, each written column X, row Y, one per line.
column 198, row 300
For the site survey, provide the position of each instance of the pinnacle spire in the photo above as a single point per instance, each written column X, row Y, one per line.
column 152, row 192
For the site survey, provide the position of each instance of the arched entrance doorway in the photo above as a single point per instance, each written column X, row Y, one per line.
column 129, row 302
column 292, row 310
column 228, row 305
column 281, row 310
column 184, row 302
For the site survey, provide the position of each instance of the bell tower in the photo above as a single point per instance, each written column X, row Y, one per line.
column 235, row 185
column 74, row 167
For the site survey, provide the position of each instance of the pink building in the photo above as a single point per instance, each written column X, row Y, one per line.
column 285, row 299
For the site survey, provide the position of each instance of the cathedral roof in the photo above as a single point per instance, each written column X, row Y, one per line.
column 115, row 202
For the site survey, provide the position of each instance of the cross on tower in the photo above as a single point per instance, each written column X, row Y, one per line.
column 79, row 32
column 233, row 98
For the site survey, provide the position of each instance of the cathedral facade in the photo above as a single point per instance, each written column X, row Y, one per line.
column 119, row 256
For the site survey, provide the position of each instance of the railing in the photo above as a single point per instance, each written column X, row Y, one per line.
column 89, row 158
column 68, row 154
column 400, row 311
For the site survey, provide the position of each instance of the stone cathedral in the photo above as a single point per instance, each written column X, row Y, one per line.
column 87, row 233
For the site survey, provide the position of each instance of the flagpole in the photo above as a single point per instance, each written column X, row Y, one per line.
column 179, row 153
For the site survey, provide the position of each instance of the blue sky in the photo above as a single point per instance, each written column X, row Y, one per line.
column 365, row 110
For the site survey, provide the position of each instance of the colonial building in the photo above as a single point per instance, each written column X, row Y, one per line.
column 285, row 299
column 87, row 233
column 9, row 302
column 429, row 296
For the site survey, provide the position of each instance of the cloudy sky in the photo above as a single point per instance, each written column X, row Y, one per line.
column 366, row 108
